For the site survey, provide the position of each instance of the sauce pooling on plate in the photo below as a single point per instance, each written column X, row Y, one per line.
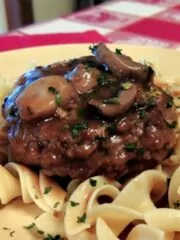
column 98, row 114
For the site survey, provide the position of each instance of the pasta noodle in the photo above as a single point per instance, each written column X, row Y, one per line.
column 78, row 214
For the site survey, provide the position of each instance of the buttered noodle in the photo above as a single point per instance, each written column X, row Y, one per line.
column 76, row 214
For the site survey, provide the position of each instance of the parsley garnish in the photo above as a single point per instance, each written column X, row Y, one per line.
column 53, row 90
column 126, row 85
column 169, row 103
column 56, row 205
column 6, row 228
column 111, row 129
column 102, row 80
column 74, row 204
column 171, row 125
column 142, row 114
column 57, row 95
column 92, row 182
column 77, row 128
column 130, row 147
column 92, row 48
column 81, row 112
column 40, row 232
column 118, row 51
column 81, row 219
column 151, row 102
column 140, row 151
column 176, row 204
column 49, row 237
column 47, row 190
column 11, row 234
column 111, row 101
column 12, row 111
column 58, row 99
column 30, row 226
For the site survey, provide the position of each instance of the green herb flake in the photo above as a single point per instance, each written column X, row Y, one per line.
column 126, row 85
column 118, row 51
column 140, row 151
column 130, row 147
column 169, row 103
column 74, row 204
column 47, row 190
column 81, row 112
column 5, row 228
column 111, row 128
column 176, row 204
column 53, row 90
column 102, row 80
column 151, row 102
column 93, row 182
column 171, row 125
column 111, row 101
column 11, row 234
column 56, row 204
column 142, row 114
column 58, row 99
column 49, row 237
column 40, row 232
column 30, row 226
column 36, row 196
column 81, row 219
column 92, row 48
column 77, row 128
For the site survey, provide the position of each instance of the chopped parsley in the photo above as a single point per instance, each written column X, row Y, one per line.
column 5, row 228
column 74, row 204
column 176, row 204
column 140, row 151
column 118, row 51
column 77, row 128
column 130, row 147
column 172, row 125
column 49, row 237
column 142, row 114
column 53, row 90
column 40, row 232
column 81, row 219
column 92, row 48
column 169, row 103
column 151, row 102
column 57, row 95
column 111, row 128
column 11, row 234
column 81, row 112
column 111, row 101
column 56, row 205
column 126, row 85
column 47, row 190
column 103, row 80
column 30, row 226
column 12, row 111
column 93, row 182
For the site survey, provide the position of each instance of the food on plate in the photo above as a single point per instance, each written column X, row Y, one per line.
column 94, row 115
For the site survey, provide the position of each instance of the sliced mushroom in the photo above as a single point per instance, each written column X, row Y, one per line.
column 120, row 65
column 37, row 101
column 83, row 78
column 124, row 101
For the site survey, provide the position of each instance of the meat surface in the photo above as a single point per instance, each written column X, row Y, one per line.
column 94, row 115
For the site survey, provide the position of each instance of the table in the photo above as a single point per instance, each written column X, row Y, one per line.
column 154, row 22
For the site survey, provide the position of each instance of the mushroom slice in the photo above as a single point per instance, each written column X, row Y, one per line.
column 41, row 98
column 122, row 104
column 120, row 65
column 83, row 78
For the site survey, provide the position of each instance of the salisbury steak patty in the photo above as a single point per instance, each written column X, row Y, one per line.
column 98, row 114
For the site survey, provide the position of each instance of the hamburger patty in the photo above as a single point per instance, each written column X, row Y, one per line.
column 98, row 114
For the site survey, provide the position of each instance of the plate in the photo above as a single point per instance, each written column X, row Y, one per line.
column 13, row 63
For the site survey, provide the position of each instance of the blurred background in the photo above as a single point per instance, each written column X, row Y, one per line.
column 18, row 13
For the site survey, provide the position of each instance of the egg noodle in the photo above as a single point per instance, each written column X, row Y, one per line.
column 77, row 213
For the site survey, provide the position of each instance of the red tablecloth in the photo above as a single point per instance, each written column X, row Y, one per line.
column 152, row 22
